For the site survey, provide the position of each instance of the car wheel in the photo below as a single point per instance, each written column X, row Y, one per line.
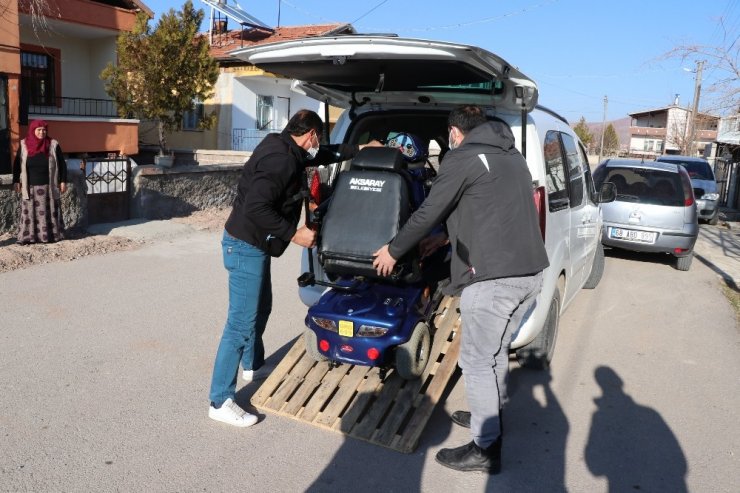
column 597, row 270
column 413, row 355
column 715, row 218
column 684, row 263
column 312, row 346
column 538, row 353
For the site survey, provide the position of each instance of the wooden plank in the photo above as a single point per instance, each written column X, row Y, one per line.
column 278, row 374
column 366, row 427
column 296, row 376
column 347, row 388
column 328, row 385
column 365, row 392
column 429, row 399
column 307, row 387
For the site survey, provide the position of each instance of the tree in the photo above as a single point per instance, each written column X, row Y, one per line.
column 161, row 72
column 722, row 61
column 581, row 129
column 611, row 141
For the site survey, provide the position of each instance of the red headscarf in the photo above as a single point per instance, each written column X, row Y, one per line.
column 33, row 143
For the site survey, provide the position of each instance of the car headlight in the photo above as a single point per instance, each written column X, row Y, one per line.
column 710, row 196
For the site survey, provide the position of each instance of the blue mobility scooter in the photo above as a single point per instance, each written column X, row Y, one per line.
column 363, row 318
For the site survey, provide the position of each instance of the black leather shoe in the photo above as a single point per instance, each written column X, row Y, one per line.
column 461, row 418
column 471, row 457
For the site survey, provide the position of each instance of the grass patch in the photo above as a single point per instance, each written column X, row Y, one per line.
column 734, row 298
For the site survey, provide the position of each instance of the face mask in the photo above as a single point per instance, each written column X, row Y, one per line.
column 452, row 144
column 312, row 151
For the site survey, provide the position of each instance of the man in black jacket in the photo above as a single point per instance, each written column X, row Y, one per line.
column 484, row 194
column 262, row 223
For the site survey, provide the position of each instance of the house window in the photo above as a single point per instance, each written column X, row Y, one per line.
column 648, row 145
column 264, row 112
column 192, row 118
column 38, row 78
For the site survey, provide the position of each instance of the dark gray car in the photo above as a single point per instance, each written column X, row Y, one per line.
column 654, row 210
column 703, row 182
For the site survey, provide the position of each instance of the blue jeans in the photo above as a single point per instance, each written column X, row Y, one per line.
column 490, row 311
column 250, row 304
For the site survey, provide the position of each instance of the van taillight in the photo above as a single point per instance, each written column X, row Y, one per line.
column 688, row 191
column 539, row 195
column 316, row 188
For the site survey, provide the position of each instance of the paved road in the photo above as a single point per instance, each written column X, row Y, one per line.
column 104, row 381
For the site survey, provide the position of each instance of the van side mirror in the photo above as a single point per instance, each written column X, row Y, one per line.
column 608, row 192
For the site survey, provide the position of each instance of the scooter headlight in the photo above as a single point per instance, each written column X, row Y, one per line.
column 325, row 323
column 710, row 196
column 371, row 331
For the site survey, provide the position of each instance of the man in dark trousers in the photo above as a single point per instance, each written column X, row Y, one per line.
column 263, row 222
column 484, row 194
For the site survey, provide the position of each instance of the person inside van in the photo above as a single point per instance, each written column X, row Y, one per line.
column 483, row 193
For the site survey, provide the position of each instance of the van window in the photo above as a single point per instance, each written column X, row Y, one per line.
column 557, row 185
column 575, row 170
column 590, row 188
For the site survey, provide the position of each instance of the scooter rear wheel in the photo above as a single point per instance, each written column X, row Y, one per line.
column 312, row 345
column 413, row 355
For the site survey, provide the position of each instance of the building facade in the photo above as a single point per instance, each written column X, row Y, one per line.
column 50, row 64
column 668, row 131
column 248, row 102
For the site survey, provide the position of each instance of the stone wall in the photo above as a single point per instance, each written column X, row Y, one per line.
column 160, row 193
column 74, row 203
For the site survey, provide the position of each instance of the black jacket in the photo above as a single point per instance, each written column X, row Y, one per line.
column 268, row 202
column 484, row 193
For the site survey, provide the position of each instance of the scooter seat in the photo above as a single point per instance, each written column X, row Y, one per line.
column 369, row 205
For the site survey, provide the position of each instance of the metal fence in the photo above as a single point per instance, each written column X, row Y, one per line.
column 246, row 139
column 76, row 107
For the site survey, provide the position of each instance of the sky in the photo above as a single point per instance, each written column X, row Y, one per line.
column 577, row 51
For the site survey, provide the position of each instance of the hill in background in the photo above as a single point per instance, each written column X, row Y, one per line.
column 622, row 127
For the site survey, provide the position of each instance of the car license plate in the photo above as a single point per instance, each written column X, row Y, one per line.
column 632, row 235
column 346, row 328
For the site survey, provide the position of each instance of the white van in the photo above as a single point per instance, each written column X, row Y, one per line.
column 389, row 84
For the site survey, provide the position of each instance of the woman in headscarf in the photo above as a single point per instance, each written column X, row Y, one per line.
column 40, row 176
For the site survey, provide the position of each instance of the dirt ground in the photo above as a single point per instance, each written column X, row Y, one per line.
column 14, row 256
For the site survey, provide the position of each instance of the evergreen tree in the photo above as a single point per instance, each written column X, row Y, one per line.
column 581, row 129
column 611, row 141
column 161, row 71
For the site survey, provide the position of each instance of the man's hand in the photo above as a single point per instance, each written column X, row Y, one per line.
column 383, row 262
column 432, row 243
column 372, row 143
column 17, row 187
column 304, row 237
column 62, row 187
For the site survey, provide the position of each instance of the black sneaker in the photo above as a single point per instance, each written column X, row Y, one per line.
column 461, row 418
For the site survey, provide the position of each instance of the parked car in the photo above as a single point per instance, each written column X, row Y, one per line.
column 654, row 210
column 390, row 84
column 703, row 182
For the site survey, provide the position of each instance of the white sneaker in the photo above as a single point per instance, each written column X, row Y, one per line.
column 261, row 374
column 230, row 413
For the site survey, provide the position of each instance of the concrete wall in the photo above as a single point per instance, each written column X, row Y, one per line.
column 74, row 203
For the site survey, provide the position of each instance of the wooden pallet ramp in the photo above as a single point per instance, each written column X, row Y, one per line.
column 354, row 400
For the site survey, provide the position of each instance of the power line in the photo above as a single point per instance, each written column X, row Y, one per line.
column 368, row 12
column 466, row 23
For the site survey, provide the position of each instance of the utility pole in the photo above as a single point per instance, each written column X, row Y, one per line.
column 603, row 129
column 695, row 108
